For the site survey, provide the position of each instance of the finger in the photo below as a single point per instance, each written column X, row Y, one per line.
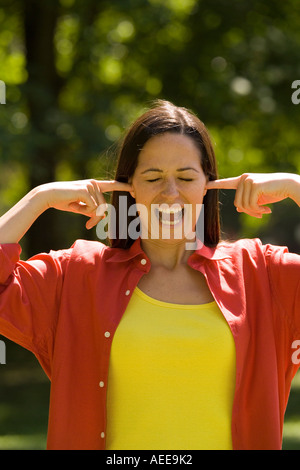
column 101, row 209
column 92, row 222
column 98, row 195
column 84, row 204
column 226, row 183
column 258, row 215
column 238, row 199
column 250, row 199
column 266, row 210
column 253, row 202
column 246, row 196
column 95, row 195
column 106, row 186
column 82, row 208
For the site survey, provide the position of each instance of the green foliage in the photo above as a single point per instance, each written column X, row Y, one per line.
column 233, row 66
column 78, row 72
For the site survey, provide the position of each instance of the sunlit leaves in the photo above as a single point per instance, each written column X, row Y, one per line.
column 232, row 64
column 110, row 70
column 123, row 32
column 65, row 41
column 12, row 59
column 180, row 7
column 175, row 35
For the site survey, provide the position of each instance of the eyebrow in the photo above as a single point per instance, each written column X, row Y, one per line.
column 161, row 171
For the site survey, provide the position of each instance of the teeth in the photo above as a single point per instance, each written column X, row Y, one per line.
column 169, row 222
column 169, row 210
column 170, row 215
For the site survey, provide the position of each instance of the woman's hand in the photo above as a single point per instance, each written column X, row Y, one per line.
column 82, row 197
column 254, row 190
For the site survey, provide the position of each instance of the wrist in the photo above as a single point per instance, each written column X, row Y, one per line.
column 37, row 198
column 295, row 188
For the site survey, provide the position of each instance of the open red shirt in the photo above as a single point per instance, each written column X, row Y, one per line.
column 65, row 307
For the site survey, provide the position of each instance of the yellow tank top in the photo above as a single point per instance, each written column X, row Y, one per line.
column 171, row 377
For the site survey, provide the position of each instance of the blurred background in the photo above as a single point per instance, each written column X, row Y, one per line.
column 78, row 72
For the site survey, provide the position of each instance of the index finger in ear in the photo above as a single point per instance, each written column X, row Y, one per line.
column 226, row 183
column 107, row 186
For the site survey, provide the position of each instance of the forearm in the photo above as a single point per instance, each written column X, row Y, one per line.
column 17, row 221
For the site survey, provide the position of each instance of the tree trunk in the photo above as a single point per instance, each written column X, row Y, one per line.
column 42, row 89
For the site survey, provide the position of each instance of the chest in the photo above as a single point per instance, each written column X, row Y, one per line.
column 183, row 286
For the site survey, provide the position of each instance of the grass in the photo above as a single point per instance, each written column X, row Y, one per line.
column 291, row 429
column 24, row 401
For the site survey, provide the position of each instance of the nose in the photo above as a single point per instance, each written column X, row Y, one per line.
column 170, row 188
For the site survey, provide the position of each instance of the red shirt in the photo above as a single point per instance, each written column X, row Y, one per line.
column 65, row 306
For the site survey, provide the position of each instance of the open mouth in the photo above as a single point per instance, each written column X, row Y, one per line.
column 169, row 215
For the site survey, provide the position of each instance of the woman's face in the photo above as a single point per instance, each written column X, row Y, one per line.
column 169, row 186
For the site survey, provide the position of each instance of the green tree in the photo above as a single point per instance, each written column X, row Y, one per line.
column 78, row 72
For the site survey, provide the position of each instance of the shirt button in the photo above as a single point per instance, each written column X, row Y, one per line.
column 101, row 384
column 102, row 435
column 107, row 334
column 143, row 261
column 127, row 292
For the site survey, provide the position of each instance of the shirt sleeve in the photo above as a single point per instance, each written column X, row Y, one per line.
column 284, row 273
column 30, row 294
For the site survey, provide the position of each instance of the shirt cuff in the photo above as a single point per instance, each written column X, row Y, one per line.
column 9, row 256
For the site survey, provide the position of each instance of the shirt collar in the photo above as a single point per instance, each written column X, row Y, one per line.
column 218, row 252
column 202, row 251
column 121, row 255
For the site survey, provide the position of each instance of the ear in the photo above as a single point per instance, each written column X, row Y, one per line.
column 205, row 190
column 132, row 192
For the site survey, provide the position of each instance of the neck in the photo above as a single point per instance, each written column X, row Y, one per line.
column 167, row 255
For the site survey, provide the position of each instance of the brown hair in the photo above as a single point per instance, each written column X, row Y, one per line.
column 166, row 117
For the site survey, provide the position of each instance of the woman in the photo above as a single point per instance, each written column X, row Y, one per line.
column 149, row 343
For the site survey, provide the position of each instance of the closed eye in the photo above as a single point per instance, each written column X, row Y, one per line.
column 181, row 179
